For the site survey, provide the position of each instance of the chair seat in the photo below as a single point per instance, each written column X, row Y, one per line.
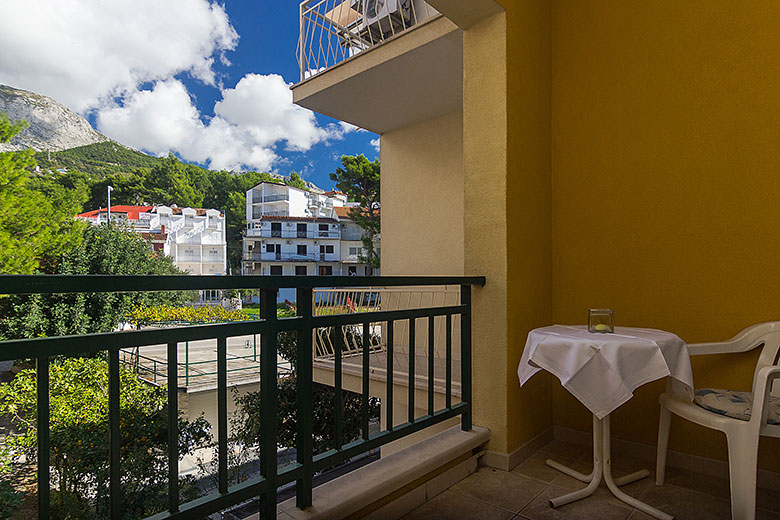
column 734, row 404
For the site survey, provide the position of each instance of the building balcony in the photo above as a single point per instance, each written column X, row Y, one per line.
column 211, row 363
column 292, row 233
column 259, row 199
column 290, row 257
column 350, row 63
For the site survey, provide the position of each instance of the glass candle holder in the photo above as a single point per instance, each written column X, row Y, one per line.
column 601, row 320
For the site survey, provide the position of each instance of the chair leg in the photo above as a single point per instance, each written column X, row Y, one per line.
column 743, row 462
column 663, row 442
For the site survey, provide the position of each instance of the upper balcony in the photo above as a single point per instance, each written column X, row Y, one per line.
column 356, row 59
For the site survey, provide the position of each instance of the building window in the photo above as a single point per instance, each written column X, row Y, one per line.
column 300, row 270
column 302, row 250
column 276, row 269
column 325, row 270
column 276, row 229
column 323, row 227
column 352, row 270
column 355, row 251
column 326, row 249
column 301, row 230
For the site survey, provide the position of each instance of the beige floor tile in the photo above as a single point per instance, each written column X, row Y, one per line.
column 536, row 466
column 451, row 505
column 564, row 450
column 621, row 466
column 707, row 484
column 767, row 515
column 684, row 504
column 768, row 499
column 592, row 508
column 509, row 491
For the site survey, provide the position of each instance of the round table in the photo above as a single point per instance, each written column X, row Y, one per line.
column 602, row 370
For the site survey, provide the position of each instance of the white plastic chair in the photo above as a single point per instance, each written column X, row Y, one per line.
column 741, row 434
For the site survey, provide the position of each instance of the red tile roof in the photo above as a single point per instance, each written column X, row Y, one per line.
column 131, row 211
column 155, row 236
column 343, row 211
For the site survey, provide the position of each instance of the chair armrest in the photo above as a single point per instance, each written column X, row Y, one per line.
column 744, row 341
column 762, row 387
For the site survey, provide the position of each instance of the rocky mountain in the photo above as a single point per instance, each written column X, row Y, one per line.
column 52, row 125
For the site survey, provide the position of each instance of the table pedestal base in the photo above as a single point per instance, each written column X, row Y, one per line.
column 602, row 466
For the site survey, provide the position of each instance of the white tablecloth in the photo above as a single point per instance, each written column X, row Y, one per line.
column 603, row 370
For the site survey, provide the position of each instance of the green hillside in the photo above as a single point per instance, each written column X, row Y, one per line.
column 98, row 160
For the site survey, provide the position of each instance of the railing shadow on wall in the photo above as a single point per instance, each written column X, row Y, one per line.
column 306, row 323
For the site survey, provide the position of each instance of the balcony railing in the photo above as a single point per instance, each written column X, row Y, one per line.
column 291, row 257
column 258, row 199
column 292, row 233
column 332, row 31
column 305, row 324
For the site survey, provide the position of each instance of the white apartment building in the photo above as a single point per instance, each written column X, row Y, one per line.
column 194, row 237
column 297, row 232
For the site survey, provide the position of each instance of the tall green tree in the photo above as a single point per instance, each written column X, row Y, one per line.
column 79, row 437
column 103, row 250
column 36, row 214
column 359, row 179
column 167, row 184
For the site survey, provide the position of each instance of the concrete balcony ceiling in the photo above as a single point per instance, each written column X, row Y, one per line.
column 412, row 77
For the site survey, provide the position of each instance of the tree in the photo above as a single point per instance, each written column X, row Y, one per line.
column 36, row 214
column 167, row 184
column 78, row 426
column 103, row 250
column 247, row 424
column 359, row 179
column 295, row 181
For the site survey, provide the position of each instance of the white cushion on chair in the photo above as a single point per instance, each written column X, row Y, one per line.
column 734, row 404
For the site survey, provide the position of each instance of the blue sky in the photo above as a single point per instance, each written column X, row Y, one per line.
column 205, row 80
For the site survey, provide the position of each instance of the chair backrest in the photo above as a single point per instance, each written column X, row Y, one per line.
column 770, row 356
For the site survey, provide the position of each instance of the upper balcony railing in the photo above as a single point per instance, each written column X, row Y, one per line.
column 306, row 325
column 332, row 31
column 259, row 199
column 290, row 233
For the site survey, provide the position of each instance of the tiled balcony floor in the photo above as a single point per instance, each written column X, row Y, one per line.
column 524, row 493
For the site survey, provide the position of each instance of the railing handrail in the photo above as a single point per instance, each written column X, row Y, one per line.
column 272, row 476
column 45, row 283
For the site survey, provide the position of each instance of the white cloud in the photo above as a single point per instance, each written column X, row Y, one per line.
column 121, row 60
column 375, row 143
column 82, row 52
column 249, row 122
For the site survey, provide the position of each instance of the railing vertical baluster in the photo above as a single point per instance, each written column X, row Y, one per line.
column 268, row 401
column 465, row 355
column 338, row 403
column 366, row 387
column 448, row 361
column 390, row 369
column 187, row 363
column 173, row 428
column 431, row 371
column 304, row 446
column 222, row 428
column 114, row 439
column 42, row 369
column 412, row 361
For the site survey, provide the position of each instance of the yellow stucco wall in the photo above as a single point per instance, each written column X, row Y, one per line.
column 665, row 132
column 422, row 198
column 529, row 273
column 485, row 155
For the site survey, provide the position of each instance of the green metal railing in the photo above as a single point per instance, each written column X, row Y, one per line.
column 156, row 370
column 271, row 476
